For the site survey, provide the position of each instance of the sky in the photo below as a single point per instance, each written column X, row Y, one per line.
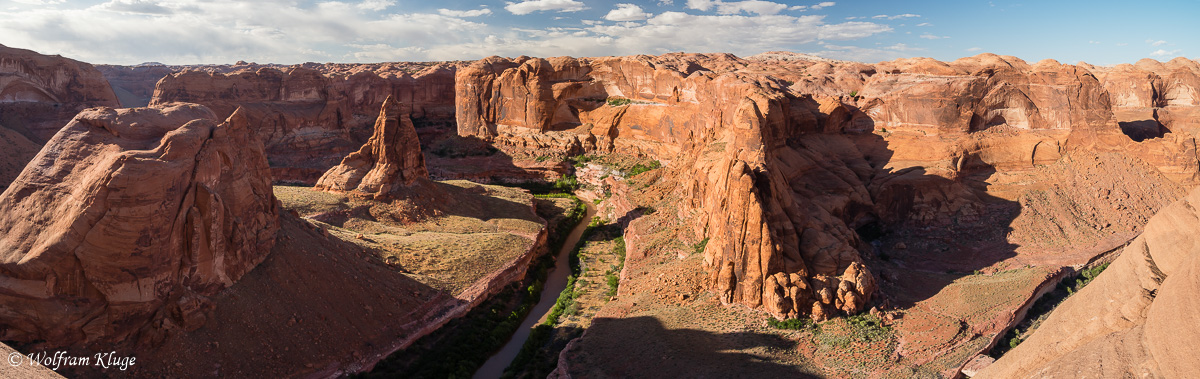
column 286, row 32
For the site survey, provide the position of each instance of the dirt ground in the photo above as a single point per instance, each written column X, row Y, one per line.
column 469, row 231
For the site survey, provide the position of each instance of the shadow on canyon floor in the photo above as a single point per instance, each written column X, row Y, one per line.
column 929, row 230
column 650, row 349
column 315, row 306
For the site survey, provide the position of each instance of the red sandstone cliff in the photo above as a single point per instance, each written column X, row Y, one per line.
column 310, row 116
column 779, row 161
column 127, row 220
column 390, row 159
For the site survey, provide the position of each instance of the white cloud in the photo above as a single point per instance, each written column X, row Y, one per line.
column 894, row 17
column 861, row 54
column 1166, row 53
column 974, row 49
column 39, row 2
column 738, row 34
column 924, row 24
column 530, row 6
column 283, row 31
column 750, row 6
column 136, row 6
column 375, row 5
column 798, row 7
column 1094, row 42
column 903, row 47
column 931, row 36
column 626, row 12
column 666, row 2
column 825, row 4
column 470, row 13
column 1156, row 43
column 852, row 30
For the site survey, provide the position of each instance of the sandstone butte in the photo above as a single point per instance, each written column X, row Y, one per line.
column 390, row 159
column 776, row 160
column 127, row 220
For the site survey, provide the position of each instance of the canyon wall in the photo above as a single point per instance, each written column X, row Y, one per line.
column 311, row 116
column 40, row 93
column 127, row 220
column 779, row 161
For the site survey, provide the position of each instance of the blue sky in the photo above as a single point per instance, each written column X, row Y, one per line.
column 283, row 31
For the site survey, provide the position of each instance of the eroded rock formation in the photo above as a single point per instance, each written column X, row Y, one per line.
column 127, row 220
column 1137, row 319
column 390, row 159
column 310, row 116
column 779, row 161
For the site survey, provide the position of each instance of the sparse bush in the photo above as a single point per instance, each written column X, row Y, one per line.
column 567, row 184
column 699, row 246
column 853, row 93
column 792, row 324
column 640, row 168
column 581, row 160
column 868, row 328
column 614, row 282
column 618, row 101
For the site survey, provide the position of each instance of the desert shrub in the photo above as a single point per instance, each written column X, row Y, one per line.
column 567, row 184
column 699, row 246
column 580, row 160
column 618, row 101
column 868, row 328
column 791, row 324
column 640, row 168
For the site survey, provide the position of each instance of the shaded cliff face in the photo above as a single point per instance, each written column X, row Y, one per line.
column 40, row 93
column 127, row 220
column 1134, row 320
column 390, row 159
column 779, row 162
column 310, row 116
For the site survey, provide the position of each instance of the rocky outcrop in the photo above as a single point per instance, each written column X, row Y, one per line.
column 390, row 159
column 40, row 93
column 311, row 116
column 1134, row 320
column 127, row 220
column 778, row 162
